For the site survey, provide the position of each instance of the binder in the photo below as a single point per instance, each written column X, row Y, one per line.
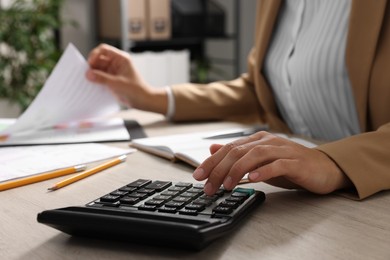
column 159, row 19
column 109, row 12
column 137, row 19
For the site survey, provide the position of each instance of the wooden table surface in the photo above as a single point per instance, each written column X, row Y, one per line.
column 289, row 225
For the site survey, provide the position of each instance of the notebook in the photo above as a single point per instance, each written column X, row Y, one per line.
column 192, row 148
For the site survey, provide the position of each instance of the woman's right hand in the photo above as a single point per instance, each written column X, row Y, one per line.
column 113, row 67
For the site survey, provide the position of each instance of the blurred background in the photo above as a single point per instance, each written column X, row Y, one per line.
column 180, row 40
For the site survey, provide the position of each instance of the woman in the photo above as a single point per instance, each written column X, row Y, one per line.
column 318, row 68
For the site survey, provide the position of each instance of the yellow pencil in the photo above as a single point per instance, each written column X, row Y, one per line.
column 40, row 177
column 88, row 173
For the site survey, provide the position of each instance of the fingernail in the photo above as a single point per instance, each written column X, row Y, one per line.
column 208, row 188
column 253, row 176
column 227, row 184
column 198, row 174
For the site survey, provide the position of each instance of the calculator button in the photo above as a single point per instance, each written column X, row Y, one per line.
column 129, row 200
column 230, row 204
column 174, row 204
column 139, row 183
column 195, row 190
column 146, row 191
column 159, row 185
column 109, row 204
column 147, row 207
column 235, row 199
column 222, row 210
column 211, row 198
column 162, row 197
column 245, row 190
column 191, row 212
column 184, row 184
column 181, row 199
column 119, row 193
column 189, row 195
column 198, row 186
column 202, row 202
column 170, row 193
column 154, row 202
column 220, row 192
column 197, row 207
column 127, row 189
column 109, row 198
column 167, row 209
column 141, row 196
column 240, row 195
column 175, row 188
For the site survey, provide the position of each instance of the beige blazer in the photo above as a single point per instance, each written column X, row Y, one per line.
column 365, row 158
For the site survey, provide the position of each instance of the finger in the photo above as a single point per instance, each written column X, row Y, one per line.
column 103, row 51
column 276, row 168
column 286, row 174
column 258, row 155
column 101, row 62
column 209, row 164
column 101, row 77
column 218, row 174
column 233, row 166
column 205, row 170
column 214, row 148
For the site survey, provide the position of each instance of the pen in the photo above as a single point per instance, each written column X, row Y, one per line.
column 245, row 132
column 40, row 177
column 88, row 173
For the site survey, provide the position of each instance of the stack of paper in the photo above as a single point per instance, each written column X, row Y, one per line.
column 68, row 109
column 163, row 68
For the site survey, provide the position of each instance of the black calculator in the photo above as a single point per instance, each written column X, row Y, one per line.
column 158, row 212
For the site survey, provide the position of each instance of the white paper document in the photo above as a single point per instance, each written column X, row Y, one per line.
column 17, row 162
column 68, row 109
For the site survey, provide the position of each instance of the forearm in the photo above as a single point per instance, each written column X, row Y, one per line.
column 218, row 100
column 152, row 100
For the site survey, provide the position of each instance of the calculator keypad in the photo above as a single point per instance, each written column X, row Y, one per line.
column 180, row 198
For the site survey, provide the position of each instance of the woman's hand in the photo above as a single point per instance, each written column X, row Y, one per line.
column 113, row 67
column 272, row 159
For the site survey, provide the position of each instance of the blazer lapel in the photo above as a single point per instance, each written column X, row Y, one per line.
column 364, row 30
column 267, row 14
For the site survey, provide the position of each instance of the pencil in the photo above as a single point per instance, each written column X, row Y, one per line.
column 87, row 173
column 40, row 177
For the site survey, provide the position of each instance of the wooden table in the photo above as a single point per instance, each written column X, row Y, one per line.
column 289, row 225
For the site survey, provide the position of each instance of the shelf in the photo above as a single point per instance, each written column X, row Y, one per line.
column 196, row 45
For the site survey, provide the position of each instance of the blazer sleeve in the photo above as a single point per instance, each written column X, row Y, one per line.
column 364, row 158
column 216, row 100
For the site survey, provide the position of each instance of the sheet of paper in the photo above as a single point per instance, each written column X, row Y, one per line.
column 92, row 131
column 17, row 162
column 67, row 96
column 6, row 122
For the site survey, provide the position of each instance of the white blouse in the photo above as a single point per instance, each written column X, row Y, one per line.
column 306, row 68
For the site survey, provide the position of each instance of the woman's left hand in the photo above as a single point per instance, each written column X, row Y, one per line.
column 272, row 159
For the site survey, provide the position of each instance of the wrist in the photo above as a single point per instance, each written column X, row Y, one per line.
column 155, row 100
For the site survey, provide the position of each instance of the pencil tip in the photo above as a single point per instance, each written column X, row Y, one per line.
column 51, row 189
